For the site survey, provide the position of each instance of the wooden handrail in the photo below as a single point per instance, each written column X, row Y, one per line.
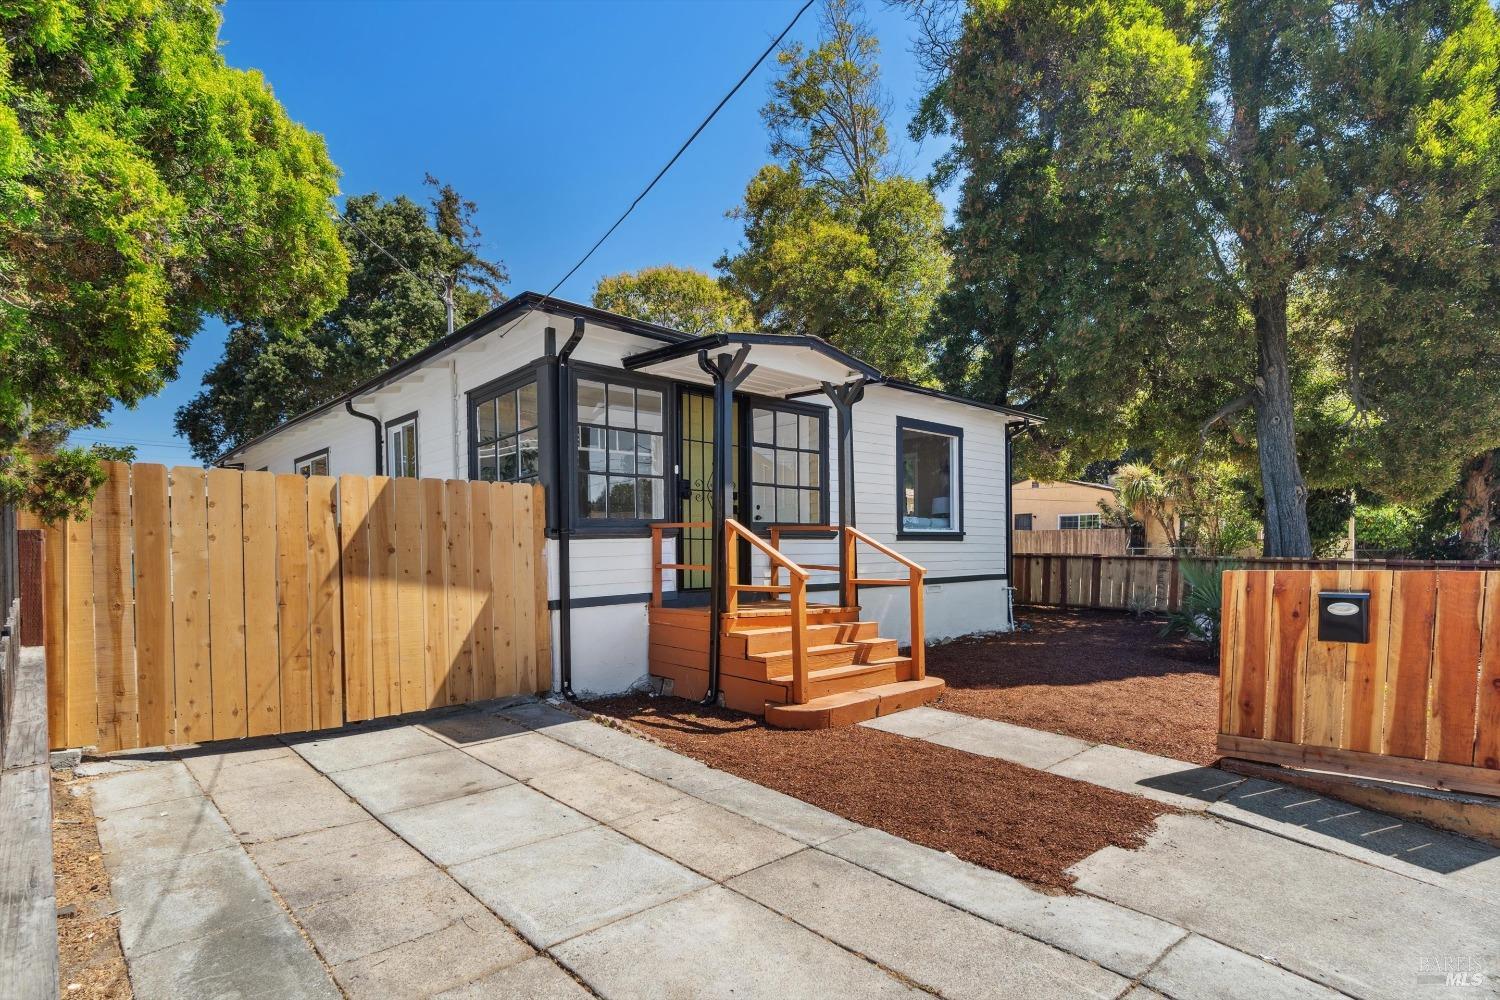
column 657, row 565
column 796, row 600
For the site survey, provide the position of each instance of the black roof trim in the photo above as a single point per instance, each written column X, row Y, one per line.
column 896, row 383
column 693, row 345
column 473, row 330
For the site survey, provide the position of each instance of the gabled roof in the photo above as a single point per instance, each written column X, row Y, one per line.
column 675, row 344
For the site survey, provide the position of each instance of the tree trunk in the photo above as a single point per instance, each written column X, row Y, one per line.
column 1286, row 531
column 1474, row 509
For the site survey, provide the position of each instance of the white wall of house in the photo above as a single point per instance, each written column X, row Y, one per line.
column 964, row 592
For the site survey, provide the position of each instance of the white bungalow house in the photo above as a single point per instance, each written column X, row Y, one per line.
column 617, row 419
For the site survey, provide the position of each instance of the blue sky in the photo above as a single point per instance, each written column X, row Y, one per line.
column 551, row 116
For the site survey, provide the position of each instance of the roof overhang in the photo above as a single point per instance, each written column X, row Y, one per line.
column 784, row 365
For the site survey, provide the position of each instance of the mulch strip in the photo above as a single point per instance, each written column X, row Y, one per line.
column 92, row 965
column 1026, row 823
column 1101, row 676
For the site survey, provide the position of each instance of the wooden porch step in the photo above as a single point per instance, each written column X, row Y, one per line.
column 777, row 614
column 851, row 707
column 834, row 680
column 778, row 638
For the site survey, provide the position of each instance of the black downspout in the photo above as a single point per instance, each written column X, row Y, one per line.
column 727, row 372
column 564, row 509
column 379, row 435
column 843, row 398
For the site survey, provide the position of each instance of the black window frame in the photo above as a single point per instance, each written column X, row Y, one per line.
column 671, row 460
column 320, row 453
column 391, row 425
column 497, row 387
column 904, row 424
column 748, row 404
column 1028, row 526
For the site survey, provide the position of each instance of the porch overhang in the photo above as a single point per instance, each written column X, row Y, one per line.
column 784, row 365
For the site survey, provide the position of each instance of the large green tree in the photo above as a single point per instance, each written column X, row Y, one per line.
column 680, row 298
column 1274, row 220
column 143, row 184
column 837, row 243
column 406, row 260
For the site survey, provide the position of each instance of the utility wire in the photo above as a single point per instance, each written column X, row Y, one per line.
column 644, row 191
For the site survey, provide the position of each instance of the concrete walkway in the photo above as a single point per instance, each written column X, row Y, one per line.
column 521, row 851
column 1365, row 903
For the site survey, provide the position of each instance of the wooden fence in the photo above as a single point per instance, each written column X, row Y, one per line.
column 215, row 604
column 1419, row 703
column 1084, row 541
column 1153, row 583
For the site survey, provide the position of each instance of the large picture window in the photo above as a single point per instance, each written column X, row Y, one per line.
column 787, row 478
column 1078, row 522
column 401, row 446
column 505, row 435
column 929, row 465
column 622, row 459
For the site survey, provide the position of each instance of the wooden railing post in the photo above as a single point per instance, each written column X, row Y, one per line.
column 656, row 565
column 848, row 592
column 799, row 639
column 732, row 568
column 918, row 626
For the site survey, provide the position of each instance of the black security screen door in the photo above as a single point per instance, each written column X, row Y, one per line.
column 697, row 423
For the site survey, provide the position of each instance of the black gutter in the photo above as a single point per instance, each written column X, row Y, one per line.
column 897, row 383
column 473, row 330
column 561, row 453
column 379, row 435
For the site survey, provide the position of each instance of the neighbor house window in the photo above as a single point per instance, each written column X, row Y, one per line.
column 929, row 459
column 1075, row 522
column 315, row 464
column 786, row 466
column 401, row 446
column 622, row 458
column 506, row 435
column 1023, row 522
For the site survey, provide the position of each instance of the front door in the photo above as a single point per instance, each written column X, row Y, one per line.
column 696, row 418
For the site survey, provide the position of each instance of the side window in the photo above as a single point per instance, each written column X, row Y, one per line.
column 1076, row 522
column 315, row 464
column 929, row 499
column 622, row 459
column 1023, row 522
column 401, row 446
column 505, row 435
column 786, row 466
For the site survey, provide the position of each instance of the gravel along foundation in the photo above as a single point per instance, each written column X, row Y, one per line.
column 1026, row 823
column 1101, row 676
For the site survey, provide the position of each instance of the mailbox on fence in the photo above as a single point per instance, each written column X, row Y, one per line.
column 1343, row 616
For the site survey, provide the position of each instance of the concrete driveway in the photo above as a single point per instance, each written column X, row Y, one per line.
column 523, row 852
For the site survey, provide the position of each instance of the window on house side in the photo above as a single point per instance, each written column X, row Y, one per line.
column 505, row 436
column 1023, row 522
column 401, row 447
column 786, row 467
column 930, row 491
column 622, row 458
column 1077, row 522
column 313, row 465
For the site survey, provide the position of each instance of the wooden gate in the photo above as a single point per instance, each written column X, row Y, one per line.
column 1419, row 703
column 216, row 604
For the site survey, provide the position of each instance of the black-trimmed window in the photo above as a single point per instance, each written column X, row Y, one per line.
column 401, row 446
column 929, row 478
column 1023, row 522
column 315, row 464
column 788, row 478
column 622, row 450
column 506, row 434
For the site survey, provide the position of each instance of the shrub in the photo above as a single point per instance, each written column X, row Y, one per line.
column 1200, row 613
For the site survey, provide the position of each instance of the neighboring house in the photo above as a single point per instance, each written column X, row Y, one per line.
column 1072, row 504
column 616, row 418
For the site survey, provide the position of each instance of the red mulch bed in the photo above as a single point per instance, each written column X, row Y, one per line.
column 1026, row 823
column 1101, row 676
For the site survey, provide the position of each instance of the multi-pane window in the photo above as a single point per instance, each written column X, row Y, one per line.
column 505, row 436
column 315, row 464
column 929, row 467
column 786, row 467
column 1075, row 522
column 401, row 447
column 1023, row 522
column 622, row 460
